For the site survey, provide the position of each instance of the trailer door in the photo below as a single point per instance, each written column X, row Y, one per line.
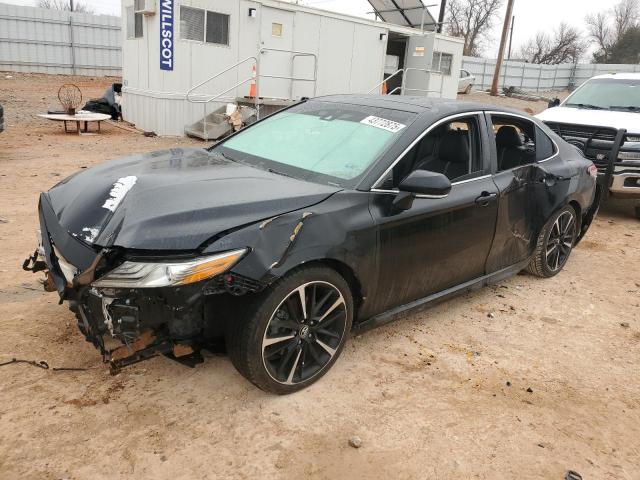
column 419, row 57
column 276, row 32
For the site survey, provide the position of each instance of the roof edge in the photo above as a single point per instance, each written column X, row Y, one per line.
column 343, row 16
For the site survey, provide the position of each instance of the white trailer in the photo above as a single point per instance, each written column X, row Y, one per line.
column 183, row 59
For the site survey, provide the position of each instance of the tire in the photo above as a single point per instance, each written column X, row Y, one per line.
column 638, row 212
column 468, row 89
column 554, row 244
column 279, row 349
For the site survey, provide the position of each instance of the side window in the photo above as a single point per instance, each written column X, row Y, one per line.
column 452, row 149
column 134, row 22
column 515, row 141
column 442, row 62
column 204, row 26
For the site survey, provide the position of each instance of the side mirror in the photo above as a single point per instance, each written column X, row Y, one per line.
column 554, row 103
column 421, row 182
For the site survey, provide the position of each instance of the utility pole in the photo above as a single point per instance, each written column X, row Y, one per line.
column 71, row 5
column 503, row 41
column 443, row 5
column 513, row 21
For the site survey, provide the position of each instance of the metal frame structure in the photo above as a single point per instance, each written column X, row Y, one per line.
column 256, row 63
column 403, row 88
column 402, row 11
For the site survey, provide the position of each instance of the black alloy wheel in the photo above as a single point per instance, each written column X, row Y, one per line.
column 554, row 244
column 289, row 335
column 304, row 332
column 560, row 241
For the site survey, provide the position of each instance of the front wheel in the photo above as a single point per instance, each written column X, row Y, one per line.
column 554, row 244
column 294, row 331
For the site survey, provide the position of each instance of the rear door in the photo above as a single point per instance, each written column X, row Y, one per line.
column 438, row 243
column 528, row 192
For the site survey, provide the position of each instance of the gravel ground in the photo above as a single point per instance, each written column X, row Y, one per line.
column 523, row 380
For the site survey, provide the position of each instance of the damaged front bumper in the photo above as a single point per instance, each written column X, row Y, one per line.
column 131, row 324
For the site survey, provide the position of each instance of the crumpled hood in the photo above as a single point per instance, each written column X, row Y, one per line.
column 174, row 199
column 598, row 118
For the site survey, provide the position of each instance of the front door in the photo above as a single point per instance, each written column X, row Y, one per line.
column 276, row 33
column 438, row 243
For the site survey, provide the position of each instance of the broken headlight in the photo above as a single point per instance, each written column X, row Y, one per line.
column 167, row 274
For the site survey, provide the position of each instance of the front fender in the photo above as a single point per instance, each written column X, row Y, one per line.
column 341, row 228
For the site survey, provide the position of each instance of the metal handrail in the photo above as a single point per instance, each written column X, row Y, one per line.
column 383, row 81
column 425, row 70
column 294, row 55
column 215, row 97
column 258, row 75
column 235, row 65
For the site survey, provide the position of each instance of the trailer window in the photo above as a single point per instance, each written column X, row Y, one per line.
column 134, row 23
column 217, row 28
column 204, row 26
column 442, row 62
column 191, row 23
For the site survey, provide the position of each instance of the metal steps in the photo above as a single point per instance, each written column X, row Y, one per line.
column 216, row 125
column 267, row 105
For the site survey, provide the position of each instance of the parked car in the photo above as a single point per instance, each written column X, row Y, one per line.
column 602, row 119
column 1, row 119
column 335, row 214
column 466, row 82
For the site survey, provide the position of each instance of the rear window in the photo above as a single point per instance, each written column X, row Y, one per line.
column 321, row 141
column 544, row 145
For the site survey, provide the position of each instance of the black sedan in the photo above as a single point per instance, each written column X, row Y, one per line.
column 332, row 215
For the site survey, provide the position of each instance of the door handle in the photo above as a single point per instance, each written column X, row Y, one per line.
column 486, row 198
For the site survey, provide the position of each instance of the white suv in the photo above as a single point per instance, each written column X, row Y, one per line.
column 602, row 118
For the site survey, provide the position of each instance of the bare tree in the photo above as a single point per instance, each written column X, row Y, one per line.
column 607, row 28
column 564, row 45
column 65, row 5
column 626, row 14
column 599, row 30
column 471, row 20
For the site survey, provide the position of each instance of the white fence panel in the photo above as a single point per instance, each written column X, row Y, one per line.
column 536, row 77
column 51, row 41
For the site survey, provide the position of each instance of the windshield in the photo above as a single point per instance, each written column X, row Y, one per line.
column 607, row 93
column 319, row 141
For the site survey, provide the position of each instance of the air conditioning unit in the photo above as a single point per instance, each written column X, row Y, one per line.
column 146, row 7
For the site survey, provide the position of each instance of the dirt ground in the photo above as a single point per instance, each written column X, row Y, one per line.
column 525, row 380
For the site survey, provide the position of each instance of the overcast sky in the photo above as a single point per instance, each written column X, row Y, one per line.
column 531, row 15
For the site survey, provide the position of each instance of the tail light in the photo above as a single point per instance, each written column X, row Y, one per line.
column 592, row 170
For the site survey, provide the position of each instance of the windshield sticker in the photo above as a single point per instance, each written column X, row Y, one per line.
column 384, row 124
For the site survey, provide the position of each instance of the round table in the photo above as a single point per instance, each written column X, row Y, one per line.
column 79, row 117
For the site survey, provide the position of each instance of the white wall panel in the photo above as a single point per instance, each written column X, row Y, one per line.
column 39, row 40
column 534, row 77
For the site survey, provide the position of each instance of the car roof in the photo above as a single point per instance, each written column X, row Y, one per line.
column 419, row 105
column 619, row 76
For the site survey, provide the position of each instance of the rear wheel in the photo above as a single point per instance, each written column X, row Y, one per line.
column 294, row 331
column 554, row 244
column 638, row 212
column 468, row 89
